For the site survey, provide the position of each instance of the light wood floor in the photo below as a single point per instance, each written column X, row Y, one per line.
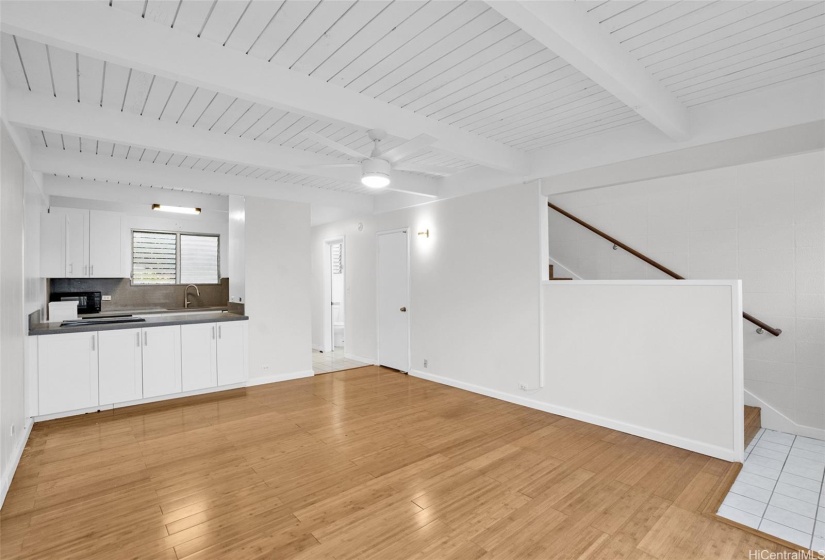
column 367, row 464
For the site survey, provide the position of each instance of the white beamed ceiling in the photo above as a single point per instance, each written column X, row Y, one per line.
column 461, row 64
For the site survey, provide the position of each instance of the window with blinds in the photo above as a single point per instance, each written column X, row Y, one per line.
column 337, row 255
column 198, row 259
column 154, row 257
column 175, row 258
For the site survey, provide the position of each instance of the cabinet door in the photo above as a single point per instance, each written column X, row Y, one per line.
column 67, row 372
column 53, row 245
column 120, row 369
column 231, row 352
column 104, row 244
column 198, row 356
column 77, row 241
column 161, row 361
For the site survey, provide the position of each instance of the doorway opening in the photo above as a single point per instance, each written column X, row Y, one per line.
column 332, row 355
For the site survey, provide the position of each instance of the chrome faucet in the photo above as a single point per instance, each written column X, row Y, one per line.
column 186, row 301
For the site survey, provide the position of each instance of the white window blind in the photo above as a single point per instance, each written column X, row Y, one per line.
column 198, row 259
column 154, row 257
column 337, row 259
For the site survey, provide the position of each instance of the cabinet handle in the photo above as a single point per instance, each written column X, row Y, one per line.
column 71, row 268
column 93, row 343
column 138, row 339
column 213, row 332
column 145, row 338
column 92, row 270
column 219, row 331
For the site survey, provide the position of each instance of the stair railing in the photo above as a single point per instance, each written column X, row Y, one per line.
column 762, row 326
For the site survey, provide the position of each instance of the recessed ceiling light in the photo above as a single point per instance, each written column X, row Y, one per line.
column 175, row 209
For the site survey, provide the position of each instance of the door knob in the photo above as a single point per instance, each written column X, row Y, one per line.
column 403, row 309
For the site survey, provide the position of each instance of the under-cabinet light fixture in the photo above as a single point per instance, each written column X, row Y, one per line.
column 175, row 209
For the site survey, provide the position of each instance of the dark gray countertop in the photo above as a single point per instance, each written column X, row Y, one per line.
column 180, row 318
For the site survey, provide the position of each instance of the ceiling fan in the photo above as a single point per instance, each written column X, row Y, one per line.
column 377, row 167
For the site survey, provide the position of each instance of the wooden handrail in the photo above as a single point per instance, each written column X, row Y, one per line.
column 762, row 325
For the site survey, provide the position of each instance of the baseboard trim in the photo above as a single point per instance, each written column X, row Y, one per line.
column 11, row 467
column 277, row 378
column 647, row 433
column 362, row 359
column 772, row 419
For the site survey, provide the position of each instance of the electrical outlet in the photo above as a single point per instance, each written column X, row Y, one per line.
column 107, row 298
column 426, row 364
column 265, row 368
column 523, row 386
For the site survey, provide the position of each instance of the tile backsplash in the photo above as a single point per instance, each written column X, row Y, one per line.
column 126, row 296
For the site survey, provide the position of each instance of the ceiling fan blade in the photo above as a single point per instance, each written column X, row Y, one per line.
column 408, row 148
column 423, row 168
column 334, row 145
column 331, row 165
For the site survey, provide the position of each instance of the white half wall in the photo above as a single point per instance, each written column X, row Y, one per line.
column 277, row 289
column 763, row 223
column 661, row 359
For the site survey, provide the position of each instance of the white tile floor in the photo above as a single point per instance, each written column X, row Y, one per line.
column 326, row 362
column 780, row 489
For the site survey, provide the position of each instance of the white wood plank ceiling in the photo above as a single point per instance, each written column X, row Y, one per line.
column 460, row 63
column 704, row 51
column 46, row 69
column 71, row 143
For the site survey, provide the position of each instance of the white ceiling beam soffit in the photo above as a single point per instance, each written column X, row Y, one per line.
column 51, row 114
column 103, row 168
column 563, row 27
column 96, row 30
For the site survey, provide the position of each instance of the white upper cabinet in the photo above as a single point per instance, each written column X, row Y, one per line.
column 104, row 244
column 77, row 243
column 199, row 356
column 53, row 226
column 121, row 366
column 231, row 352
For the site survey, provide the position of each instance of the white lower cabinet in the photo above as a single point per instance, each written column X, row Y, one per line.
column 231, row 352
column 199, row 366
column 67, row 372
column 121, row 366
column 161, row 361
column 84, row 370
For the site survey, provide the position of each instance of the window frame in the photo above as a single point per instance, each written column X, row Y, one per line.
column 177, row 235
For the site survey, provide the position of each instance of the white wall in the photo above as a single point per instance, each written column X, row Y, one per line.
column 19, row 293
column 278, row 289
column 474, row 298
column 622, row 354
column 762, row 222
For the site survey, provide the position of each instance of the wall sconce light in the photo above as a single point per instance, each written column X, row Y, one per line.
column 425, row 233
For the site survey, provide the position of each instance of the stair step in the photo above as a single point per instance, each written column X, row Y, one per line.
column 753, row 422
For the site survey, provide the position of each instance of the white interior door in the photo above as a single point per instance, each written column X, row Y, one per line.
column 393, row 300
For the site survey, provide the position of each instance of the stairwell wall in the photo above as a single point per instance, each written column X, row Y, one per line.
column 762, row 222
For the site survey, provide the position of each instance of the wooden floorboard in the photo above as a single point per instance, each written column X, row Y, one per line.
column 368, row 464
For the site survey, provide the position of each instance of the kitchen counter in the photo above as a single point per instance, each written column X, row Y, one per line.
column 150, row 311
column 163, row 319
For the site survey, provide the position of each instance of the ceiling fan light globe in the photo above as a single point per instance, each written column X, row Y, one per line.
column 375, row 180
